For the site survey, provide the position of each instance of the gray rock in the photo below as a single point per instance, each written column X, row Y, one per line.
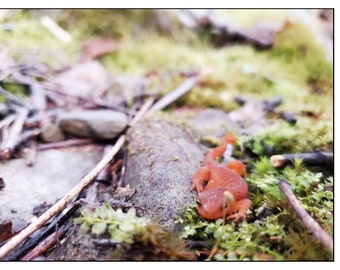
column 51, row 132
column 162, row 159
column 89, row 79
column 214, row 122
column 100, row 124
column 54, row 173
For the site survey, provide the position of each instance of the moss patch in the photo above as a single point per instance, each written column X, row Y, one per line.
column 295, row 69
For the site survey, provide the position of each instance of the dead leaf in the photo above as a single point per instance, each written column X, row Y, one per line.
column 2, row 183
column 95, row 48
column 5, row 230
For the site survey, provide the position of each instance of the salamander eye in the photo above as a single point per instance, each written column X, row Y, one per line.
column 198, row 202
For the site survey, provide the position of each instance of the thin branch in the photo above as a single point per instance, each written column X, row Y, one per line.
column 14, row 137
column 316, row 158
column 62, row 144
column 55, row 29
column 143, row 110
column 46, row 244
column 58, row 207
column 4, row 123
column 36, row 238
column 175, row 94
column 307, row 220
column 12, row 98
column 38, row 98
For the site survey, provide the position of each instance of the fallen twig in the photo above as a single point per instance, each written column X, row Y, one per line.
column 4, row 123
column 105, row 174
column 14, row 137
column 35, row 239
column 46, row 244
column 12, row 98
column 38, row 98
column 62, row 144
column 3, row 109
column 55, row 29
column 310, row 159
column 307, row 220
column 143, row 110
column 60, row 205
column 175, row 94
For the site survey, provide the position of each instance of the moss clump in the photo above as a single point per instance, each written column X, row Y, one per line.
column 297, row 49
column 295, row 68
column 30, row 42
column 136, row 238
column 272, row 230
column 306, row 136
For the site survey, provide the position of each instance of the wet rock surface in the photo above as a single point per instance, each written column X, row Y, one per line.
column 162, row 159
column 53, row 174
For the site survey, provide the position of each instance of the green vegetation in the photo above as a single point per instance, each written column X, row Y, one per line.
column 295, row 69
column 305, row 136
column 266, row 235
column 139, row 238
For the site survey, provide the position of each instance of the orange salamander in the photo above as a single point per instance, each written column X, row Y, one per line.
column 222, row 191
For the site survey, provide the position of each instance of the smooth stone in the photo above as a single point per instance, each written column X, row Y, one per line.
column 99, row 124
column 54, row 173
column 51, row 132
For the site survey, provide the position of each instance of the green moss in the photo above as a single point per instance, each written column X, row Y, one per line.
column 306, row 136
column 295, row 68
column 297, row 49
column 30, row 42
column 272, row 231
column 139, row 238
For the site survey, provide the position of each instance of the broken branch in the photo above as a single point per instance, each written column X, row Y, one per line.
column 62, row 144
column 46, row 244
column 175, row 94
column 307, row 220
column 145, row 108
column 14, row 137
column 12, row 98
column 60, row 205
column 310, row 159
column 55, row 29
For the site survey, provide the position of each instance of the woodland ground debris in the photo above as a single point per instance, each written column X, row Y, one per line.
column 292, row 64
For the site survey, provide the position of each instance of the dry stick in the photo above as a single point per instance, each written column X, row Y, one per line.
column 62, row 144
column 12, row 98
column 309, row 222
column 145, row 108
column 38, row 98
column 58, row 206
column 55, row 29
column 4, row 123
column 14, row 135
column 46, row 244
column 104, row 174
column 310, row 159
column 175, row 94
